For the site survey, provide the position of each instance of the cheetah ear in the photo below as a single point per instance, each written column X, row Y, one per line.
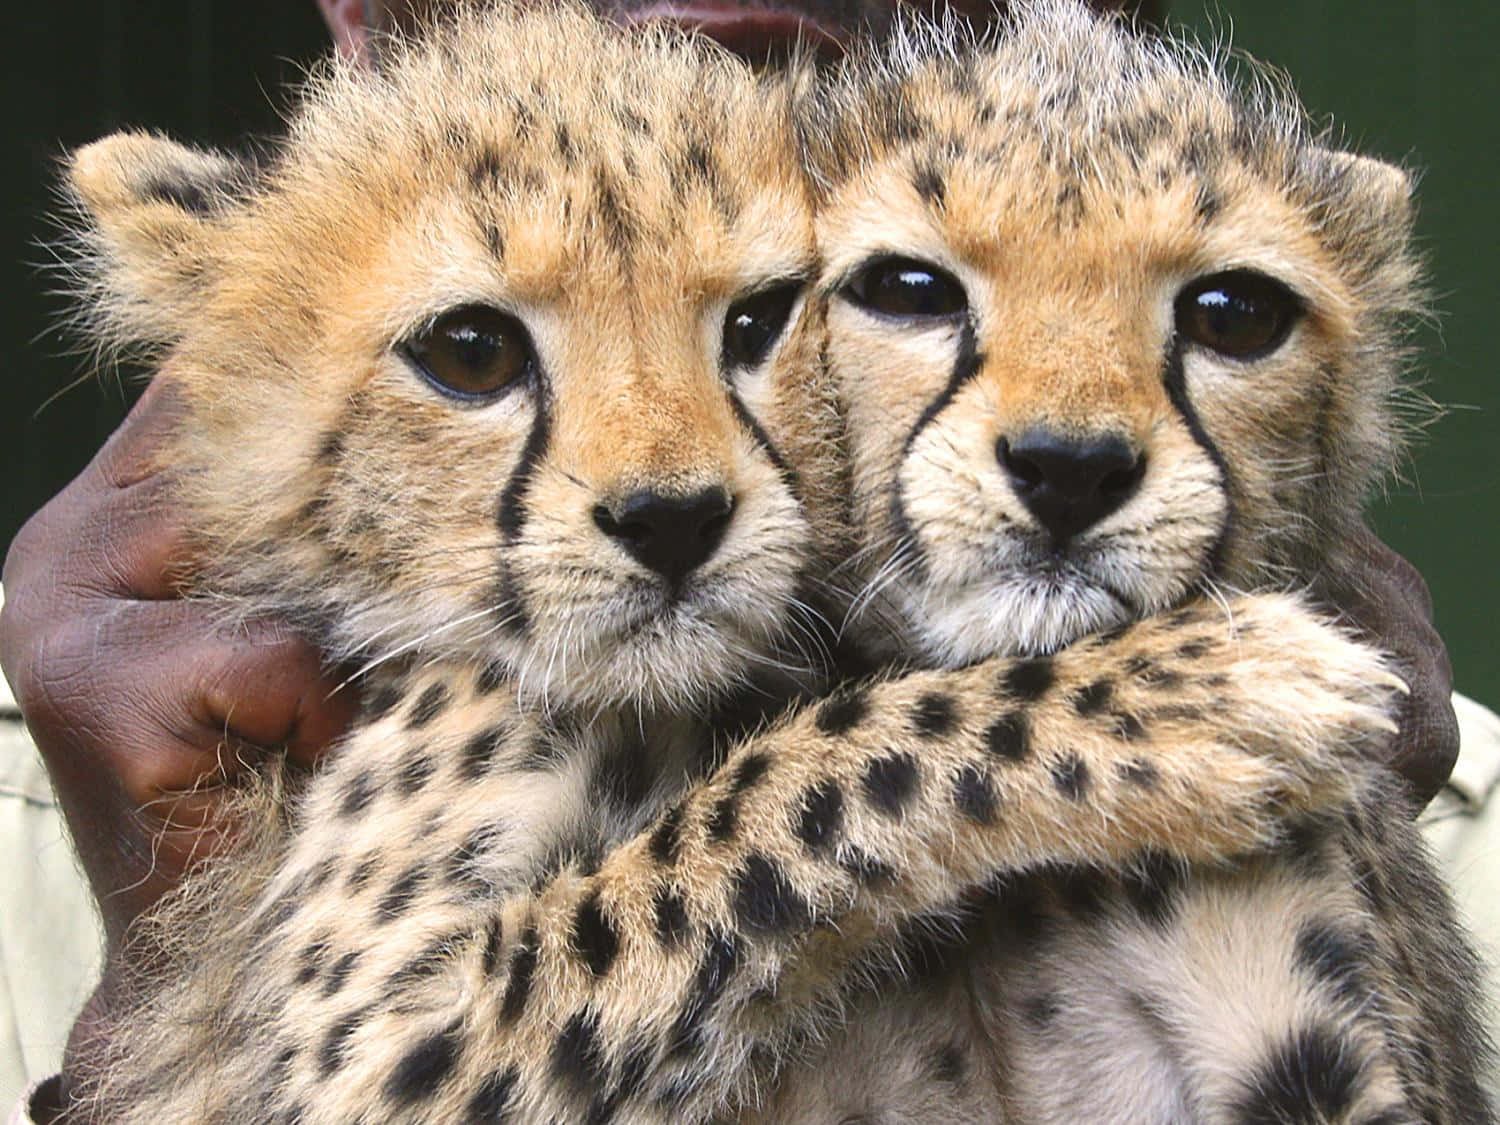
column 148, row 213
column 1384, row 191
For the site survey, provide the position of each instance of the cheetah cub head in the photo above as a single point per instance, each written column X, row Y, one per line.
column 485, row 362
column 1108, row 328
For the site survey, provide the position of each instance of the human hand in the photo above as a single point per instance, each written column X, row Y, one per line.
column 143, row 703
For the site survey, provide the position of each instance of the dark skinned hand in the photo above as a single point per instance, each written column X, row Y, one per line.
column 143, row 704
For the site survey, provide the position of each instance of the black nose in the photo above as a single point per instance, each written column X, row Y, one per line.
column 671, row 535
column 1070, row 483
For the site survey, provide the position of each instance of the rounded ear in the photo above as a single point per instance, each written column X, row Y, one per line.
column 1387, row 189
column 147, row 210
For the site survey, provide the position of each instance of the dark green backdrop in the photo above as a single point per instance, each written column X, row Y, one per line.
column 1408, row 80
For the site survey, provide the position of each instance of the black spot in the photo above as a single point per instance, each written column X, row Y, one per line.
column 974, row 795
column 870, row 872
column 1127, row 726
column 335, row 1048
column 415, row 771
column 548, row 751
column 494, row 933
column 422, row 1069
column 1194, row 650
column 617, row 224
column 486, row 168
column 578, row 1054
column 362, row 872
column 490, row 679
column 179, row 193
column 358, row 794
column 1311, row 1077
column 672, row 925
column 339, row 973
column 720, row 960
column 821, row 817
column 889, row 783
column 382, row 702
column 935, row 715
column 843, row 711
column 565, row 147
column 623, row 776
column 522, row 967
column 1081, row 891
column 1070, row 774
column 949, row 1064
column 722, row 818
column 1138, row 771
column 398, row 898
column 492, row 1099
column 765, row 900
column 1040, row 1010
column 330, row 447
column 1094, row 698
column 1029, row 680
column 1009, row 737
column 929, row 184
column 1335, row 958
column 478, row 754
column 1151, row 884
column 310, row 961
column 666, row 838
column 429, row 705
column 595, row 936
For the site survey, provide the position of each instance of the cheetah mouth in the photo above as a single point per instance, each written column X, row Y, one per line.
column 758, row 35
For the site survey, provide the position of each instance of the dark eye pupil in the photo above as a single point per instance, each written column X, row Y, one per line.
column 473, row 348
column 473, row 352
column 906, row 288
column 753, row 324
column 1239, row 314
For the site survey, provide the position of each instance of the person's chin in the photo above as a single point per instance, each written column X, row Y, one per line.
column 759, row 33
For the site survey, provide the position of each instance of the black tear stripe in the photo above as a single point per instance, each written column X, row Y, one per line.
column 1174, row 379
column 511, row 516
column 970, row 359
column 789, row 475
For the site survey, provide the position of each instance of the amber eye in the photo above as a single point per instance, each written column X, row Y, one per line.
column 754, row 323
column 474, row 352
column 906, row 288
column 1240, row 314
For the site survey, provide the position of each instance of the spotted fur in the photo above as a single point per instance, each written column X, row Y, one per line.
column 1073, row 178
column 534, row 884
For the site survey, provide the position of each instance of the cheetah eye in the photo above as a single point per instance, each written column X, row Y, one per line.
column 906, row 288
column 754, row 323
column 472, row 353
column 1240, row 313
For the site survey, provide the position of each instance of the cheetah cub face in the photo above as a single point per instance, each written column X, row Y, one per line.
column 483, row 365
column 1106, row 330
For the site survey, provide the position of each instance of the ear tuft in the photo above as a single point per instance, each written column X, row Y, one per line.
column 148, row 212
column 1387, row 189
column 128, row 170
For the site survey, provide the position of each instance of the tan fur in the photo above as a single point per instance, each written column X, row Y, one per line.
column 527, row 884
column 1074, row 178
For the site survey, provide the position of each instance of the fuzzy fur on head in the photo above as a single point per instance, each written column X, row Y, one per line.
column 1075, row 178
column 615, row 193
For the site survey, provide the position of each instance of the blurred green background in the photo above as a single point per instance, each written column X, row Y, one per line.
column 1419, row 82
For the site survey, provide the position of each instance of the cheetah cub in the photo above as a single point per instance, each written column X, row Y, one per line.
column 1110, row 331
column 500, row 377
